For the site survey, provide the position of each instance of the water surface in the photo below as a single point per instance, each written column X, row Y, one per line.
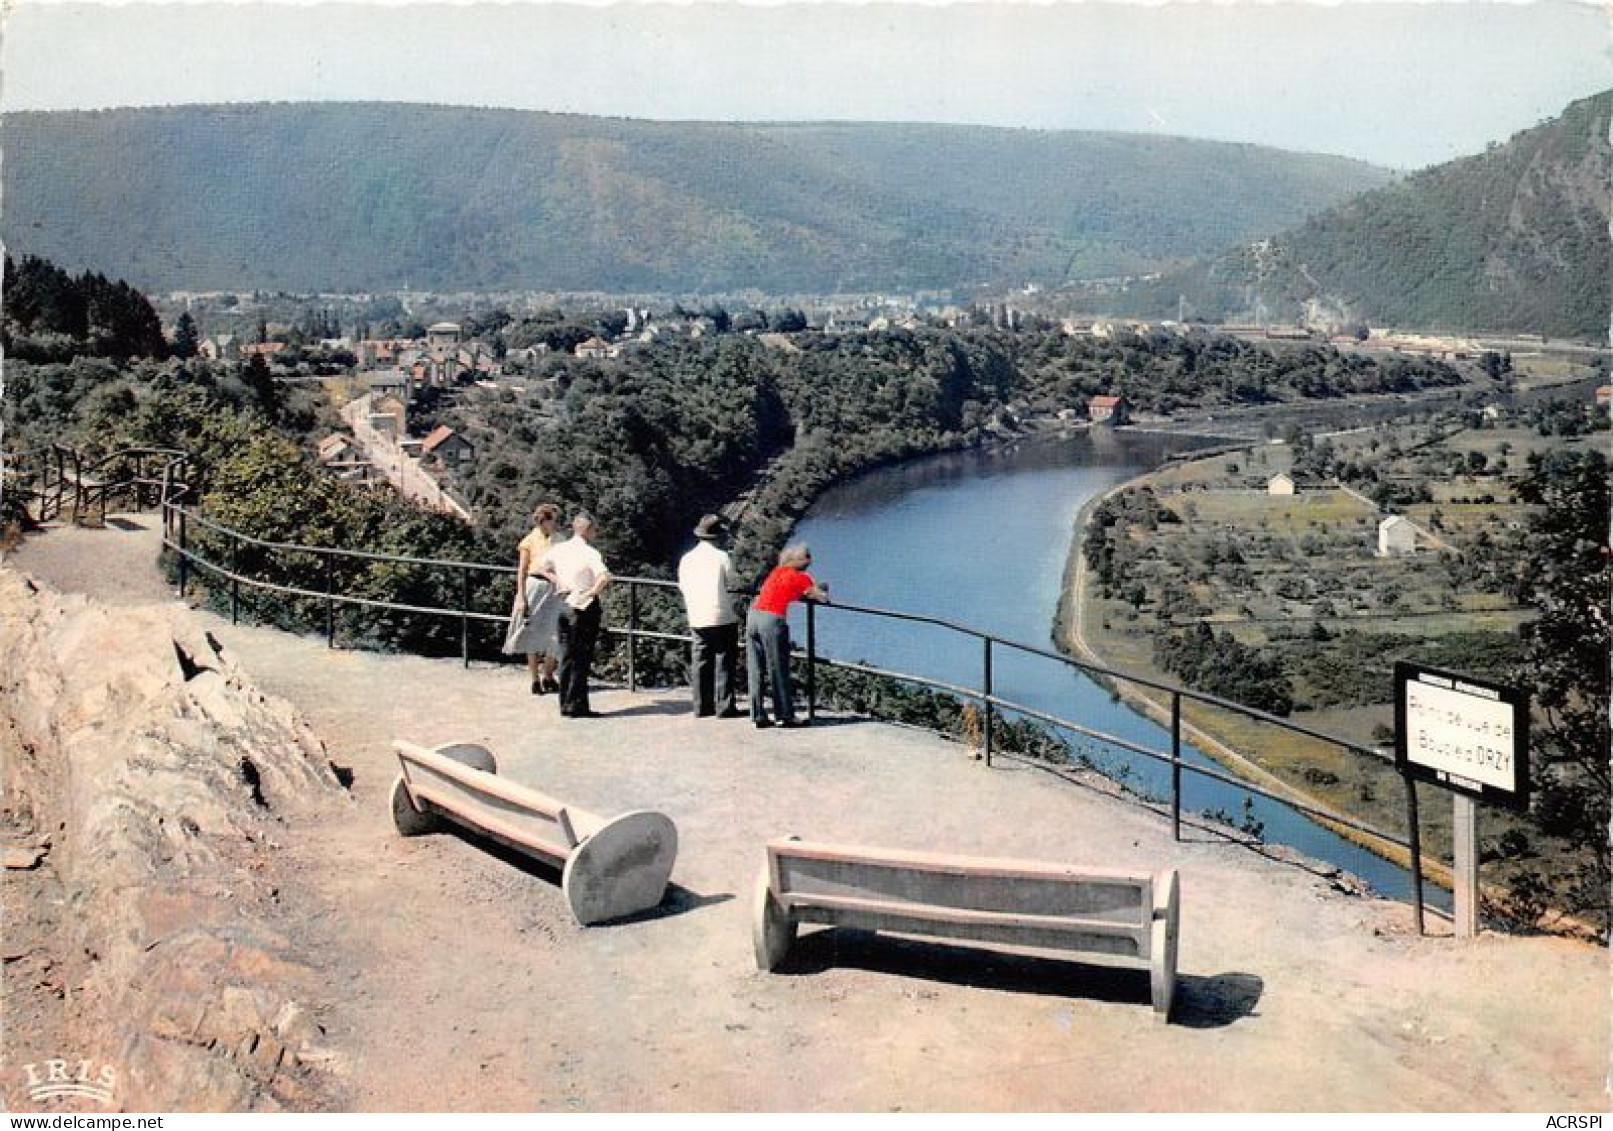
column 981, row 538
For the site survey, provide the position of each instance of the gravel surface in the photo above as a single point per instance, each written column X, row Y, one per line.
column 463, row 983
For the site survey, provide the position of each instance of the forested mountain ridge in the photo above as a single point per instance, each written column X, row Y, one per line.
column 1512, row 239
column 373, row 196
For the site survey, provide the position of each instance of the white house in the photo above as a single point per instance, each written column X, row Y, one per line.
column 1396, row 535
column 1280, row 484
column 442, row 335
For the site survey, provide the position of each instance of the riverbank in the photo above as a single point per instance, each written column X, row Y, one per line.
column 1071, row 637
column 1290, row 586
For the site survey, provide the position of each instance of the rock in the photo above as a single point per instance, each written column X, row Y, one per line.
column 20, row 857
column 169, row 775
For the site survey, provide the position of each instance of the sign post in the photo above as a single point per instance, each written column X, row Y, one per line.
column 1465, row 850
column 1471, row 737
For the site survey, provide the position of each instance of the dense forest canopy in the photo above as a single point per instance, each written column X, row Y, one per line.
column 49, row 314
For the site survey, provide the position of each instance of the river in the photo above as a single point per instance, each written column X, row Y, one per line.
column 981, row 538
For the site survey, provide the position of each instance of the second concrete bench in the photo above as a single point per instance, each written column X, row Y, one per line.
column 1018, row 902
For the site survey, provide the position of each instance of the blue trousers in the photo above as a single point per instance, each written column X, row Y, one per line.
column 767, row 648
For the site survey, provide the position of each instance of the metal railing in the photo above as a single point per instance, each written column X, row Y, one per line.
column 58, row 480
column 179, row 521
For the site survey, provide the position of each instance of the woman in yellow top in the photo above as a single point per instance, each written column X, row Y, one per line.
column 535, row 618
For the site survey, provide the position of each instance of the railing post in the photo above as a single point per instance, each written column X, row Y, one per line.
column 985, row 712
column 632, row 636
column 184, row 554
column 235, row 580
column 1176, row 765
column 812, row 660
column 330, row 603
column 1414, row 836
column 464, row 616
column 162, row 500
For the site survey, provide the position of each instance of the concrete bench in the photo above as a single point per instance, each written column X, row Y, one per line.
column 1017, row 902
column 609, row 868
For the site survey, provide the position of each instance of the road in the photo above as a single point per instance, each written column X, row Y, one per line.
column 397, row 466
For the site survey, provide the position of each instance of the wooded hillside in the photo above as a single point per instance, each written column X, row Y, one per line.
column 375, row 196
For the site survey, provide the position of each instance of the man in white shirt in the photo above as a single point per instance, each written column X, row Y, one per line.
column 706, row 578
column 578, row 573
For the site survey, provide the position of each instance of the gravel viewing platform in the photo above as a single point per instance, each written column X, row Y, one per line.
column 455, row 978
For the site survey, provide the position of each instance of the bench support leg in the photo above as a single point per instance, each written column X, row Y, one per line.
column 622, row 869
column 772, row 927
column 1162, row 946
column 407, row 817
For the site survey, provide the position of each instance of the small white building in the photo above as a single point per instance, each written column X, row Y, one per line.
column 1280, row 484
column 1396, row 535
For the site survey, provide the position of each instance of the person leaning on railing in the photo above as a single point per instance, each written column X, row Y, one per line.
column 767, row 634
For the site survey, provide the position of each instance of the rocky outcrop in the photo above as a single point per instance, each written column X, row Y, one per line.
column 148, row 791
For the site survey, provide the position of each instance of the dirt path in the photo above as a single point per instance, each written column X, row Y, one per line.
column 462, row 982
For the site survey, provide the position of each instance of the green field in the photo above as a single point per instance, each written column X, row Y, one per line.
column 1297, row 579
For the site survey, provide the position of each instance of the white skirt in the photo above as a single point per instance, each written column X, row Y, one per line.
column 539, row 631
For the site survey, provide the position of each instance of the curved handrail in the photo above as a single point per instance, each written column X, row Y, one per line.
column 1114, row 673
column 62, row 467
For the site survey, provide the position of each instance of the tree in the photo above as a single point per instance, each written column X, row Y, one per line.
column 1566, row 575
column 186, row 337
column 257, row 378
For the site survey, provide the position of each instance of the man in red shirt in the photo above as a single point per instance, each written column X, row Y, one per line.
column 767, row 634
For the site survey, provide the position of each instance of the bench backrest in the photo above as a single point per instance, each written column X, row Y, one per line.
column 1013, row 901
column 510, row 812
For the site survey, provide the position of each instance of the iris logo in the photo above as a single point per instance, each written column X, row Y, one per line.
column 52, row 1079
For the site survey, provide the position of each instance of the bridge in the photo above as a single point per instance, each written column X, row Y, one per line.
column 457, row 980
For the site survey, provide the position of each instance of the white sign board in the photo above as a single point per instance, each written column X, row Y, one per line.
column 1463, row 733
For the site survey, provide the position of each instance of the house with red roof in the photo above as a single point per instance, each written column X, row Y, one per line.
column 448, row 446
column 1108, row 410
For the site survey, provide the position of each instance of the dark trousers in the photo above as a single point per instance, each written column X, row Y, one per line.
column 711, row 668
column 767, row 651
column 579, row 634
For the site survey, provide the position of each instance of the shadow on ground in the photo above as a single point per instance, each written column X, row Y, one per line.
column 1201, row 1002
column 678, row 900
column 666, row 707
